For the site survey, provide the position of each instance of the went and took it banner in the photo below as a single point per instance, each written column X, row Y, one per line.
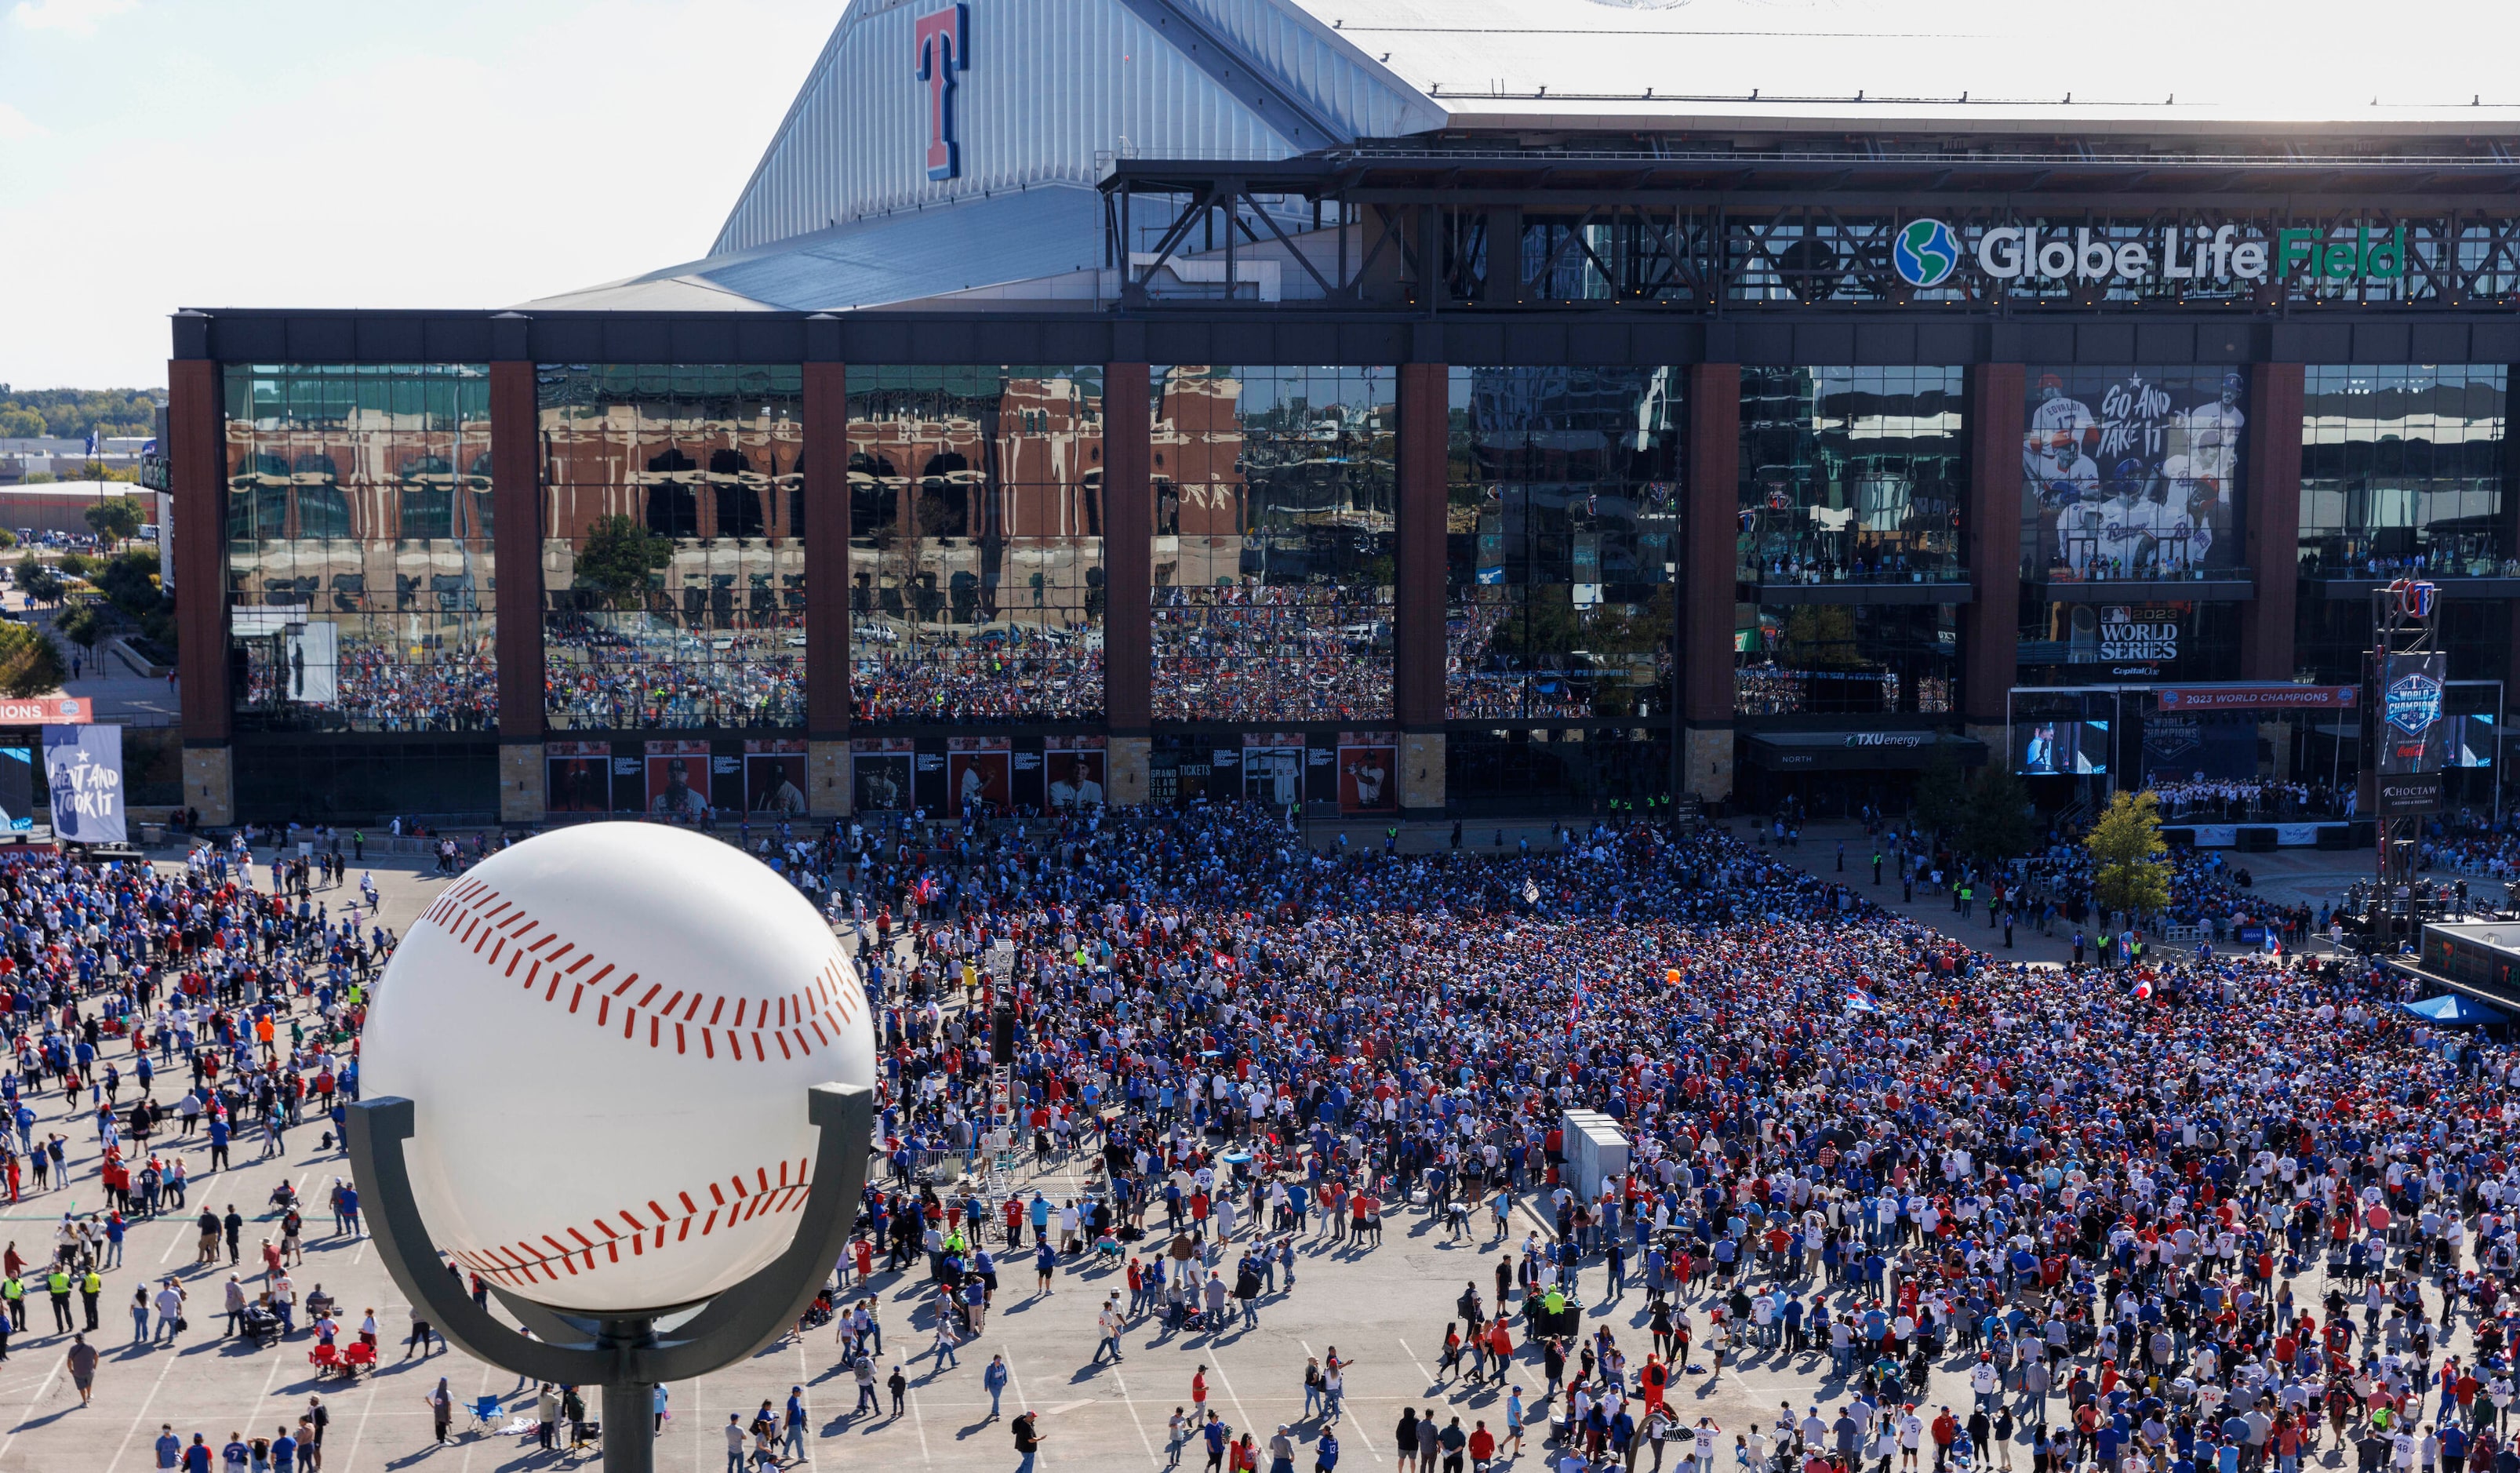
column 83, row 769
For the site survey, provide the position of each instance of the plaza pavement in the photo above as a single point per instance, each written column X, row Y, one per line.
column 1383, row 1309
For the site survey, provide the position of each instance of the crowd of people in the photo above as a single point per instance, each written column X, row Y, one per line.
column 1015, row 675
column 372, row 687
column 2188, row 1213
column 619, row 676
column 2215, row 799
column 1861, row 1148
column 1271, row 653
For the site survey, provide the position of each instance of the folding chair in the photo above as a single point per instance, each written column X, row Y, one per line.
column 325, row 1359
column 485, row 1412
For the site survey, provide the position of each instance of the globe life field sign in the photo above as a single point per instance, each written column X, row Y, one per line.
column 1927, row 252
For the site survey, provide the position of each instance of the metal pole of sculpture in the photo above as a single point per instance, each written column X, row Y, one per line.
column 627, row 1355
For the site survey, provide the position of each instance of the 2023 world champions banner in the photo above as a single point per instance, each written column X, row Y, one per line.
column 2407, row 717
column 83, row 771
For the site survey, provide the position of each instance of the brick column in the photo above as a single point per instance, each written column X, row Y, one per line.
column 1128, row 578
column 197, row 464
column 2271, row 477
column 1417, row 701
column 1417, row 607
column 1710, row 532
column 827, row 552
column 517, row 545
column 1991, row 549
column 1128, row 551
column 517, row 499
column 826, row 589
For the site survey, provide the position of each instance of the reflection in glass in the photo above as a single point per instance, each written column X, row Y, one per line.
column 1851, row 475
column 1844, row 659
column 2402, row 471
column 2131, row 473
column 1274, row 552
column 359, row 560
column 673, row 558
column 1562, row 517
column 975, row 543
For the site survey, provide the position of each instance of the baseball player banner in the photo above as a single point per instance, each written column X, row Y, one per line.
column 1368, row 763
column 2133, row 472
column 678, row 781
column 774, row 778
column 578, row 777
column 83, row 768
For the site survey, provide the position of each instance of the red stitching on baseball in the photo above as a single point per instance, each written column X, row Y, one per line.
column 476, row 914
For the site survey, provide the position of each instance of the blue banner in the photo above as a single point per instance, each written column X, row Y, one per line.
column 83, row 768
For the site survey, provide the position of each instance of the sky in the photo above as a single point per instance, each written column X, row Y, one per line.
column 157, row 154
column 165, row 153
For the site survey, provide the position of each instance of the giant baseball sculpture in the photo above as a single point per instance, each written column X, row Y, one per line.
column 617, row 1071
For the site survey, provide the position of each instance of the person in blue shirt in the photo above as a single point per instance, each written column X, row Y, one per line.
column 993, row 1380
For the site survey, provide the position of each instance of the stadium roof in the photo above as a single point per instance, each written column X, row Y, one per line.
column 845, row 209
column 1963, row 64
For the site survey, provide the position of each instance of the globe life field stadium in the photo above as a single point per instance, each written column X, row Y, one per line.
column 1388, row 407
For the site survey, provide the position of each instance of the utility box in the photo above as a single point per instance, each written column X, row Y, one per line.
column 1596, row 1151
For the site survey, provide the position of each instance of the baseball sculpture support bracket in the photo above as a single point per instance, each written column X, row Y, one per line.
column 626, row 1355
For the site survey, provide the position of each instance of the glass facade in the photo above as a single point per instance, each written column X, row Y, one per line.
column 1502, row 771
column 1561, row 528
column 2113, row 643
column 976, row 544
column 1851, row 475
column 1275, row 510
column 360, row 586
column 673, row 565
column 2131, row 473
column 1845, row 659
column 2402, row 471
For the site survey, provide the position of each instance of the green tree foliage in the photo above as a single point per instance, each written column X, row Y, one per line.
column 617, row 558
column 71, row 413
column 2125, row 846
column 81, row 625
column 117, row 519
column 39, row 582
column 1996, row 824
column 30, row 663
column 130, row 582
column 1942, row 793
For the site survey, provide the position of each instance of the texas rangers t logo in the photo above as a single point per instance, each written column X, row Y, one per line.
column 943, row 42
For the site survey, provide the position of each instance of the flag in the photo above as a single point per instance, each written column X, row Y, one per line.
column 2143, row 990
column 1860, row 1000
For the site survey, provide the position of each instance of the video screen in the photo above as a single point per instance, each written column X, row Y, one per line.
column 2060, row 748
column 2471, row 740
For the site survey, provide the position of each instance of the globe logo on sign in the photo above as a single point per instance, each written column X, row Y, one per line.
column 1925, row 253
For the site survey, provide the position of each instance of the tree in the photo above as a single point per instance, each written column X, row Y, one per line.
column 80, row 625
column 617, row 560
column 1996, row 824
column 2125, row 845
column 30, row 663
column 1942, row 794
column 40, row 583
column 117, row 519
column 131, row 581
